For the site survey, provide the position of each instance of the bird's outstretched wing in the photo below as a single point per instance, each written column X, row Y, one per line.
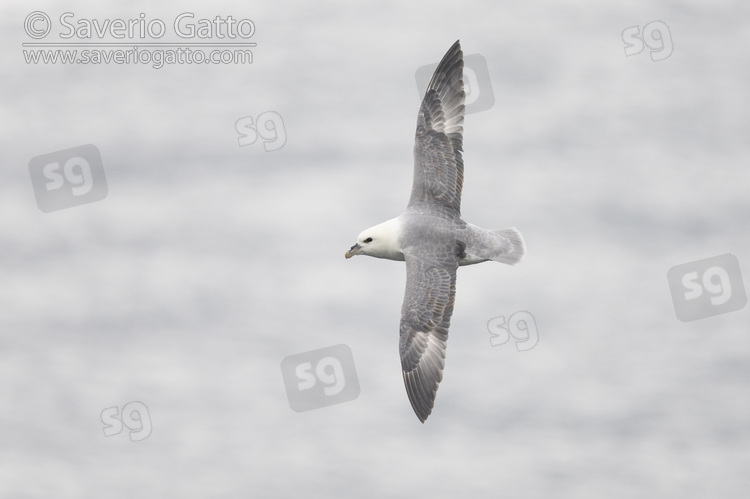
column 425, row 319
column 438, row 165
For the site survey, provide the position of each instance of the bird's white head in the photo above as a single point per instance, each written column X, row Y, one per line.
column 381, row 241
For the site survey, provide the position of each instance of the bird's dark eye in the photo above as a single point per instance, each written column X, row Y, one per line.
column 368, row 240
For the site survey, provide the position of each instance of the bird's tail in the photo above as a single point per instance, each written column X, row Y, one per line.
column 511, row 245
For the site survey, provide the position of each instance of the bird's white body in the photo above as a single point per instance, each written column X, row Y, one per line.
column 385, row 240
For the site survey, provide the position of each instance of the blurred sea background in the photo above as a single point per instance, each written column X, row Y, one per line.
column 208, row 263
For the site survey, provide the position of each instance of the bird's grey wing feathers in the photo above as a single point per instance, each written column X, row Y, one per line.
column 425, row 319
column 438, row 165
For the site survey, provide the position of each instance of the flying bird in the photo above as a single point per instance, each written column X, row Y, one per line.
column 431, row 237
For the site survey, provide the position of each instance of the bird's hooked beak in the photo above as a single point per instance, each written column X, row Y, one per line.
column 354, row 250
